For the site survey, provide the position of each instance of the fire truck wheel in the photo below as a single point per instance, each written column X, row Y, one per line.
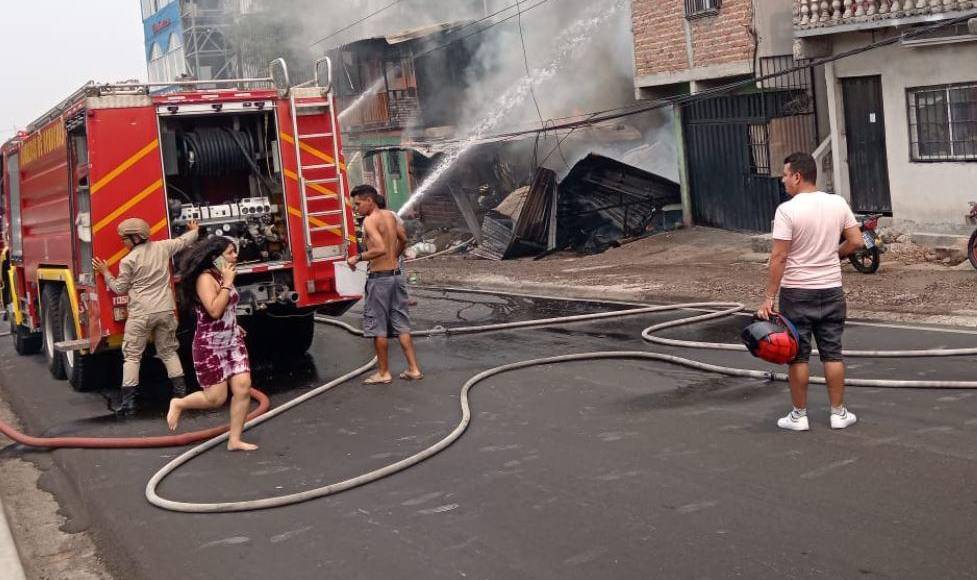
column 281, row 336
column 51, row 329
column 81, row 369
column 25, row 341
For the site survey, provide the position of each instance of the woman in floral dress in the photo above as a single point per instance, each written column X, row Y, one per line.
column 220, row 357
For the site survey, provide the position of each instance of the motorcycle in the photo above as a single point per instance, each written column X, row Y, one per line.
column 972, row 244
column 867, row 259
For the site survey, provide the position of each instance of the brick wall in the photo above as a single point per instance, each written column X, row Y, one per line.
column 660, row 40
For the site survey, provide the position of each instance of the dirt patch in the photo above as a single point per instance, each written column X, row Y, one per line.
column 708, row 264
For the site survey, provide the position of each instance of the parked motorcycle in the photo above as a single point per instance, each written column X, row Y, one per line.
column 867, row 259
column 972, row 244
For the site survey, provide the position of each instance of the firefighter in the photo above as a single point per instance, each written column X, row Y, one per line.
column 144, row 274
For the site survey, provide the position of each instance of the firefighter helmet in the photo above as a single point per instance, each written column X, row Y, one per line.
column 773, row 340
column 134, row 227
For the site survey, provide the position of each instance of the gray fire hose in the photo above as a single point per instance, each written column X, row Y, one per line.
column 722, row 309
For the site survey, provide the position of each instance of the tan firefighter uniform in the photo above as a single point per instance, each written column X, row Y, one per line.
column 144, row 274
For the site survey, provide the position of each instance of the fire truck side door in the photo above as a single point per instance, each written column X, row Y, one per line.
column 125, row 180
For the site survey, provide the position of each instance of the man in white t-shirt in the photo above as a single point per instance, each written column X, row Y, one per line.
column 805, row 268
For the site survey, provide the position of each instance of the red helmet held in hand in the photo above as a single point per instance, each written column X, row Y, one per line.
column 773, row 340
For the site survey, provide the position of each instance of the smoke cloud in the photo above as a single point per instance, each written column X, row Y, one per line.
column 579, row 54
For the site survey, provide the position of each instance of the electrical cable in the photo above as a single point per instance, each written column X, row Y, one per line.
column 724, row 309
column 481, row 30
column 525, row 61
column 354, row 23
column 631, row 109
column 475, row 22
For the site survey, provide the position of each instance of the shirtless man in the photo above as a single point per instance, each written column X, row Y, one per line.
column 385, row 305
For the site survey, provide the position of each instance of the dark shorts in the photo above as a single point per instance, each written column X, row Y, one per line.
column 385, row 307
column 819, row 312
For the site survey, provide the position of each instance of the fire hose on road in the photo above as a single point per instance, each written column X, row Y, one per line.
column 180, row 440
column 721, row 309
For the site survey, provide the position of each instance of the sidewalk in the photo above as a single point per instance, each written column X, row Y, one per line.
column 708, row 264
column 10, row 567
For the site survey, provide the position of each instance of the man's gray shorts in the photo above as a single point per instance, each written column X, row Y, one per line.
column 819, row 312
column 385, row 307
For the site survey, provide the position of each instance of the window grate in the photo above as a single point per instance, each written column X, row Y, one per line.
column 759, row 149
column 698, row 8
column 943, row 122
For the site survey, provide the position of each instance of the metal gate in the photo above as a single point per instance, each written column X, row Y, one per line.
column 735, row 145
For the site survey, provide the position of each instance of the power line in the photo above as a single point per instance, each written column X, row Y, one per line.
column 481, row 30
column 351, row 25
column 610, row 114
column 529, row 77
column 487, row 17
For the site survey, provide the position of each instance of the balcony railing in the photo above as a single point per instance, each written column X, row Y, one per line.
column 830, row 15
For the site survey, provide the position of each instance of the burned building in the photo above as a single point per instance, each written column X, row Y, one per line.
column 399, row 89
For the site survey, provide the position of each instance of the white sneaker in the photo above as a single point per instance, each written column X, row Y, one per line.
column 794, row 422
column 842, row 421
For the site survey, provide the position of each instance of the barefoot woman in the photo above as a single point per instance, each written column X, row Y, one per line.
column 219, row 356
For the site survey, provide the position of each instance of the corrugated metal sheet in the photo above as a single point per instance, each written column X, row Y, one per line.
column 603, row 200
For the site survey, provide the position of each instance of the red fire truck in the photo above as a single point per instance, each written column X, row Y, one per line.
column 256, row 160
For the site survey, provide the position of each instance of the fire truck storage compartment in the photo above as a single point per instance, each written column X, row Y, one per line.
column 223, row 170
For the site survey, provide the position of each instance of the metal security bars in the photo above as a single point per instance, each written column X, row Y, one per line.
column 698, row 8
column 735, row 145
column 943, row 123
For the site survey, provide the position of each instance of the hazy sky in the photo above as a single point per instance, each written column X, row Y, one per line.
column 52, row 47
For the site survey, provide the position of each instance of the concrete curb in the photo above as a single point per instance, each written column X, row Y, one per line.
column 10, row 566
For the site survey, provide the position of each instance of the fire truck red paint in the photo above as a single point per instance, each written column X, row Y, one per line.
column 262, row 166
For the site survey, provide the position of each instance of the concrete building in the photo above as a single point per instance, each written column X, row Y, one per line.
column 731, row 143
column 190, row 37
column 903, row 117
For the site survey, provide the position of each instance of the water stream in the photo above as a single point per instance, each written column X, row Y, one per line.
column 573, row 37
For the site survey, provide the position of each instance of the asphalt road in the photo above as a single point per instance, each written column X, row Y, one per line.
column 612, row 469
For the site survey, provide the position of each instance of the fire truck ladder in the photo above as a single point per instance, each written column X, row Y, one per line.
column 307, row 104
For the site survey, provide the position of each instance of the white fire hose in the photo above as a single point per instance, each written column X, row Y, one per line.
column 722, row 309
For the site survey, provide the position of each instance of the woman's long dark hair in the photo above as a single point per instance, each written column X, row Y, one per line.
column 196, row 260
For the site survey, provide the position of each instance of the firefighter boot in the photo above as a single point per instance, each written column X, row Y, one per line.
column 127, row 402
column 179, row 387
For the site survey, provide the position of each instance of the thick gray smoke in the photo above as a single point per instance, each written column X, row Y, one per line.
column 579, row 54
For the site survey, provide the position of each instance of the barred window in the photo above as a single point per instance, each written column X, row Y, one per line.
column 943, row 123
column 697, row 8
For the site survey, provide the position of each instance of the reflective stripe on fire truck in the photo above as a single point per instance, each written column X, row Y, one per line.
column 316, row 222
column 63, row 275
column 127, row 205
column 323, row 190
column 125, row 165
column 312, row 150
column 14, row 297
column 121, row 253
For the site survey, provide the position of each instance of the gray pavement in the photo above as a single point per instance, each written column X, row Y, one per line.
column 612, row 469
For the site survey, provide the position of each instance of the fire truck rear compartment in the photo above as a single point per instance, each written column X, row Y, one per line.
column 223, row 170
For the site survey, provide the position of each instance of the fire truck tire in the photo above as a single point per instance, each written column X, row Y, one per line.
column 51, row 329
column 25, row 341
column 280, row 336
column 82, row 369
column 298, row 331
